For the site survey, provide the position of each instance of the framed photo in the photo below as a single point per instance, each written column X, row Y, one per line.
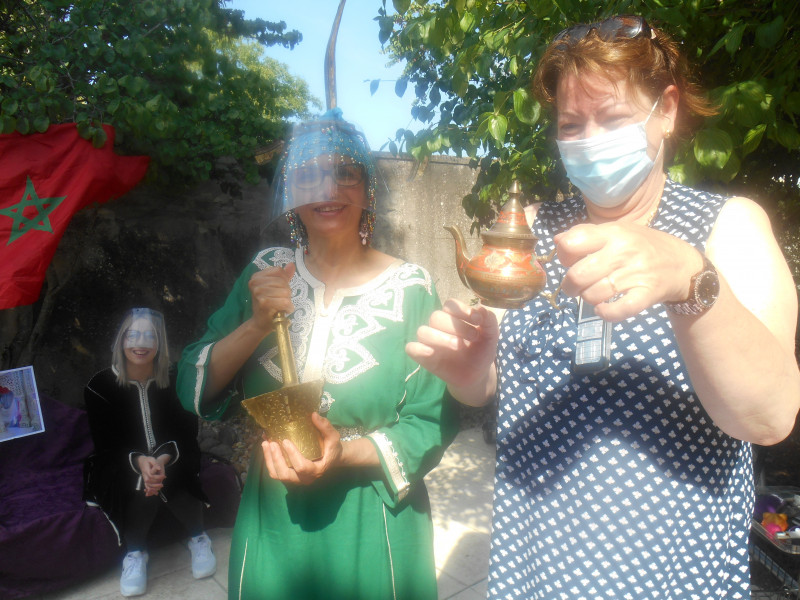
column 20, row 410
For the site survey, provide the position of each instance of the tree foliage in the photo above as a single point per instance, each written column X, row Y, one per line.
column 183, row 81
column 470, row 64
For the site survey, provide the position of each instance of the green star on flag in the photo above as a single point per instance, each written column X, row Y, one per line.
column 58, row 161
column 40, row 222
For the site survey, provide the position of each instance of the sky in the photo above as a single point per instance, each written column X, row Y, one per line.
column 358, row 60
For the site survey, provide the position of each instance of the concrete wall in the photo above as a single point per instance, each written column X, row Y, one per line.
column 420, row 201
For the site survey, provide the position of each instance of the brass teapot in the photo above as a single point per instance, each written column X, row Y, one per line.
column 505, row 273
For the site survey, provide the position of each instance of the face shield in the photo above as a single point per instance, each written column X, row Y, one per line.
column 327, row 160
column 142, row 328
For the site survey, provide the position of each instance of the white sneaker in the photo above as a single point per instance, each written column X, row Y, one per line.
column 134, row 574
column 204, row 563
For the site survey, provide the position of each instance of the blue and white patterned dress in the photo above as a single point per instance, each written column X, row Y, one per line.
column 616, row 484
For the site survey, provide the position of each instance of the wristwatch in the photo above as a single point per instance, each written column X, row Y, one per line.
column 703, row 292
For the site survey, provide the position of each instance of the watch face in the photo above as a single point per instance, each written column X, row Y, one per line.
column 707, row 289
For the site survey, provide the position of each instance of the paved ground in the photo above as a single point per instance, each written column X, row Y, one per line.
column 461, row 496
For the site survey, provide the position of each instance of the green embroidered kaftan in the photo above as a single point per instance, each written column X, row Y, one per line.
column 355, row 533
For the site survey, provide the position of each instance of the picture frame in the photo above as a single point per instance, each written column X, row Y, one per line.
column 20, row 408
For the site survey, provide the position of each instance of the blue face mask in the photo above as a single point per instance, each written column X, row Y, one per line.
column 609, row 167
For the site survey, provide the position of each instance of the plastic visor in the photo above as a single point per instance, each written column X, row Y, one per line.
column 142, row 328
column 326, row 160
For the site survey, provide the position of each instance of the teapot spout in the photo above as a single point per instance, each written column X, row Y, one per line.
column 461, row 258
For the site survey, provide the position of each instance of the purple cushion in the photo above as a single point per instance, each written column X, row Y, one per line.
column 49, row 538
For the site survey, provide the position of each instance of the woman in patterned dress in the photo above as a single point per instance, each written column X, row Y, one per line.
column 635, row 480
column 355, row 523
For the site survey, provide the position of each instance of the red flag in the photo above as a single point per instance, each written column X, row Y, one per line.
column 45, row 178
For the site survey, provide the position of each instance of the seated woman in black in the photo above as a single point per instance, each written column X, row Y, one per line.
column 146, row 453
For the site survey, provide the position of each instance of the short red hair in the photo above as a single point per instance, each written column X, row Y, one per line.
column 648, row 64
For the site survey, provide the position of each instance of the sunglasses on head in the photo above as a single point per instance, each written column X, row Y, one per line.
column 627, row 27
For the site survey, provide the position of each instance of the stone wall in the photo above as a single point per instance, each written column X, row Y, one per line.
column 421, row 200
column 181, row 252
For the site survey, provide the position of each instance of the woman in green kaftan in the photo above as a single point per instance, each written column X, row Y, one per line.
column 354, row 524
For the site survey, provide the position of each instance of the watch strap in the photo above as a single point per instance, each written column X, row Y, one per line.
column 698, row 301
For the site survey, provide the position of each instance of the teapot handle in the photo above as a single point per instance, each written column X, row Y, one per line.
column 551, row 296
column 547, row 257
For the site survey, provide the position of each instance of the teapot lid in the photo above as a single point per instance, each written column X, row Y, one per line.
column 511, row 227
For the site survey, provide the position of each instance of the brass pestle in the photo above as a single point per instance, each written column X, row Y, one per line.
column 286, row 413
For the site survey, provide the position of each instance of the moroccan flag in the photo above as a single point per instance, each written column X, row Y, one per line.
column 45, row 178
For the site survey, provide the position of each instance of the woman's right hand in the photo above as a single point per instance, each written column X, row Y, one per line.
column 153, row 474
column 459, row 345
column 270, row 292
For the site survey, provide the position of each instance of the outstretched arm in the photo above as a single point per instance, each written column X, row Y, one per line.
column 740, row 352
column 459, row 345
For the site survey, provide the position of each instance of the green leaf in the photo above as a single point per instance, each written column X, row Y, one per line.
column 748, row 113
column 8, row 124
column 752, row 90
column 153, row 104
column 85, row 129
column 730, row 170
column 499, row 100
column 467, row 22
column 734, row 39
column 753, row 138
column 528, row 159
column 731, row 40
column 386, row 26
column 525, row 107
column 434, row 144
column 713, row 148
column 787, row 136
column 373, row 86
column 792, row 103
column 435, row 96
column 23, row 125
column 9, row 106
column 483, row 125
column 113, row 106
column 460, row 83
column 677, row 173
column 401, row 6
column 769, row 34
column 498, row 125
column 41, row 123
column 400, row 86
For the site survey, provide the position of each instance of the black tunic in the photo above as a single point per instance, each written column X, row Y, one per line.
column 127, row 422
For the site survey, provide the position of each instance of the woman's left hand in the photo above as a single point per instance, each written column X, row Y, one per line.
column 303, row 471
column 153, row 474
column 636, row 265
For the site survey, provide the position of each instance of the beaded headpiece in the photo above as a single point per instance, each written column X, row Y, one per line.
column 330, row 134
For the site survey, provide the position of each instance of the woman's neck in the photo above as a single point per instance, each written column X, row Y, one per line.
column 140, row 373
column 344, row 265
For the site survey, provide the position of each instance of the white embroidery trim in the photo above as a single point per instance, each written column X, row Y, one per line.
column 315, row 358
column 389, row 546
column 393, row 463
column 302, row 321
column 200, row 365
column 244, row 562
